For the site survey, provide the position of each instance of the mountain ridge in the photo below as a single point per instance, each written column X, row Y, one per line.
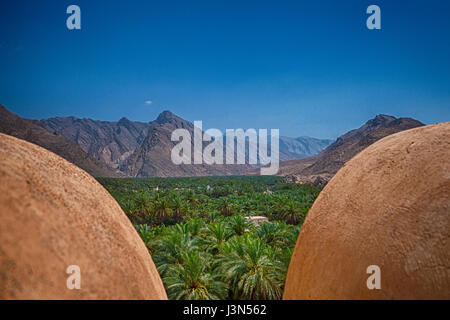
column 31, row 131
column 114, row 142
column 143, row 149
column 320, row 168
column 106, row 141
column 153, row 156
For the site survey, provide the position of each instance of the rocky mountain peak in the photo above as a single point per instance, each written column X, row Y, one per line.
column 124, row 119
column 380, row 120
column 166, row 116
column 330, row 160
column 124, row 122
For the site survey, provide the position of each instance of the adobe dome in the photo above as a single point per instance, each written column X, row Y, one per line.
column 53, row 215
column 388, row 206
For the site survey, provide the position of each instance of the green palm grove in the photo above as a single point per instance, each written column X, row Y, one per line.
column 200, row 239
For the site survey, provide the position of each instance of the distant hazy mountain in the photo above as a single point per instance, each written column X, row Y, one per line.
column 32, row 131
column 302, row 147
column 322, row 167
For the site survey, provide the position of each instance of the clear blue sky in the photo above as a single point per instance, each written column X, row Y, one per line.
column 307, row 68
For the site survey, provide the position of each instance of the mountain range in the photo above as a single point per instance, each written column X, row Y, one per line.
column 142, row 149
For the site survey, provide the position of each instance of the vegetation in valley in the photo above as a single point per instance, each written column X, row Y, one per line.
column 200, row 239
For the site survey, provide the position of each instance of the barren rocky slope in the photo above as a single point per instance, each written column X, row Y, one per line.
column 33, row 132
column 153, row 157
column 320, row 168
column 109, row 142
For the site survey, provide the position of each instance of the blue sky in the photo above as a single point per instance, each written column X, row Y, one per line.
column 307, row 68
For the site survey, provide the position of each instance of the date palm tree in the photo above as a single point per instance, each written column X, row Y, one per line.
column 142, row 203
column 192, row 199
column 161, row 208
column 128, row 206
column 239, row 225
column 146, row 234
column 179, row 207
column 170, row 249
column 216, row 235
column 276, row 233
column 283, row 257
column 292, row 212
column 250, row 268
column 227, row 208
column 193, row 280
column 194, row 226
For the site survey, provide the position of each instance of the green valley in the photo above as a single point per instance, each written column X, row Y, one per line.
column 202, row 238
